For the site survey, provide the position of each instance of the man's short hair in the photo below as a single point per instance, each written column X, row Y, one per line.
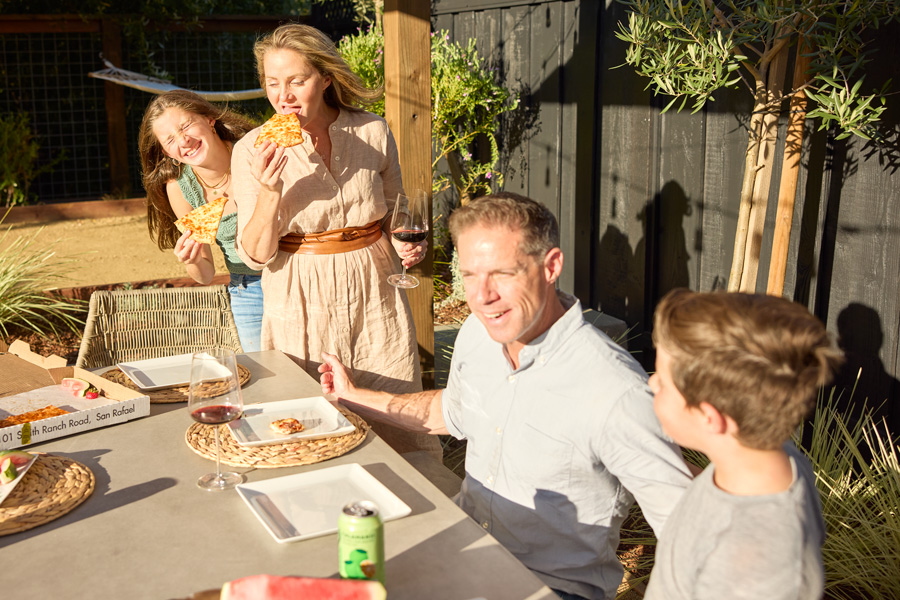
column 757, row 359
column 540, row 232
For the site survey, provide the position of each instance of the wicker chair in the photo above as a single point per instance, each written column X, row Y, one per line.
column 153, row 323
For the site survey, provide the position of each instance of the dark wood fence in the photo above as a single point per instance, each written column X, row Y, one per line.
column 648, row 201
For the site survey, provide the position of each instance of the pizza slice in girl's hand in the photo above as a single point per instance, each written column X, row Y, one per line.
column 203, row 222
column 283, row 130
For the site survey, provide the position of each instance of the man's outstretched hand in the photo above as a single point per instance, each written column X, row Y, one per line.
column 335, row 379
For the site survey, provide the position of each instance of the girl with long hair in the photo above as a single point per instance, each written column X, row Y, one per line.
column 185, row 144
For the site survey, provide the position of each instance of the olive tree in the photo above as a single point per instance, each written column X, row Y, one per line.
column 691, row 48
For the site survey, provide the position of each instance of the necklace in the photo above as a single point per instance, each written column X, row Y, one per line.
column 220, row 183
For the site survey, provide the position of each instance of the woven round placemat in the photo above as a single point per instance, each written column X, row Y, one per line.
column 168, row 395
column 52, row 487
column 201, row 439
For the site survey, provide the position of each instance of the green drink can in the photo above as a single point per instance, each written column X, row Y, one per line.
column 361, row 542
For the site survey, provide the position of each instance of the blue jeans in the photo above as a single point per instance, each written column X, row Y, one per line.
column 247, row 306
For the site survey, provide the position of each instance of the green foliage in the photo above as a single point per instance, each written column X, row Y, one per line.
column 860, row 502
column 466, row 105
column 25, row 272
column 18, row 159
column 689, row 49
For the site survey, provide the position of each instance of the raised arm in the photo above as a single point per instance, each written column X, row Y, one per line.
column 196, row 257
column 419, row 411
column 258, row 187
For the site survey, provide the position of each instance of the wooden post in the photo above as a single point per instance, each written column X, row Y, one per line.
column 790, row 170
column 117, row 138
column 407, row 86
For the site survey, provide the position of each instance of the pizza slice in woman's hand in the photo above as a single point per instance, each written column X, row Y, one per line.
column 203, row 222
column 283, row 130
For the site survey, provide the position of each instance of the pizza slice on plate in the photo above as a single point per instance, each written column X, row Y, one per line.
column 203, row 222
column 284, row 130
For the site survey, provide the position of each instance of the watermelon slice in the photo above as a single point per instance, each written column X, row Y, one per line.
column 18, row 457
column 272, row 587
column 77, row 386
column 7, row 470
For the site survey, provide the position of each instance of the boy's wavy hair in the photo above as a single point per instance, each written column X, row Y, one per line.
column 758, row 359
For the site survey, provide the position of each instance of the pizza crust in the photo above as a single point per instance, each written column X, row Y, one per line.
column 284, row 130
column 203, row 222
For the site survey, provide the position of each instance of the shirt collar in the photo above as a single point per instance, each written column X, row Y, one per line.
column 546, row 344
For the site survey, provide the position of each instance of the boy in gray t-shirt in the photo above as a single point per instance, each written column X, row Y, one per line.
column 735, row 375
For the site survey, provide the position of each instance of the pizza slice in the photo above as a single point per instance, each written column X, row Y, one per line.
column 35, row 415
column 203, row 222
column 284, row 130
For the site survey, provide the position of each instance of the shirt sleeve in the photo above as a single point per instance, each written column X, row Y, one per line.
column 245, row 188
column 649, row 465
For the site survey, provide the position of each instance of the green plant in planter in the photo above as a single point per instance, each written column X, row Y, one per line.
column 466, row 105
column 18, row 159
column 25, row 272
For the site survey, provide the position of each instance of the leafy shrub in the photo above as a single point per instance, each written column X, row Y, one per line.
column 18, row 159
column 466, row 105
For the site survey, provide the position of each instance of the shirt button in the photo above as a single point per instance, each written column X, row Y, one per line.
column 499, row 431
column 337, row 158
column 485, row 524
column 512, row 378
column 334, row 127
column 334, row 187
column 490, row 479
column 543, row 359
column 345, row 329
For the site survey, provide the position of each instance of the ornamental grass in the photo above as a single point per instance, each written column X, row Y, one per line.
column 27, row 269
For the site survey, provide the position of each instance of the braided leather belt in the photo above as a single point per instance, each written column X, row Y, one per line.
column 331, row 242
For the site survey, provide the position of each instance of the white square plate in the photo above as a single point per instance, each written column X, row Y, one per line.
column 7, row 488
column 158, row 373
column 306, row 505
column 320, row 420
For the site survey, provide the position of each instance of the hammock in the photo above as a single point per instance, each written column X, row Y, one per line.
column 158, row 86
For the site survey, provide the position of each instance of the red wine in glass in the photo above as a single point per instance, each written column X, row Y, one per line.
column 217, row 414
column 410, row 236
column 214, row 398
column 409, row 224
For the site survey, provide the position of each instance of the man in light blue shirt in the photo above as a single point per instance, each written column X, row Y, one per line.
column 559, row 420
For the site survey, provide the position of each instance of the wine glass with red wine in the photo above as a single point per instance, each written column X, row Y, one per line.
column 409, row 223
column 215, row 399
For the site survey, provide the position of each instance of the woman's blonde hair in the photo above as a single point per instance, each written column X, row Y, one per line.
column 346, row 91
column 758, row 359
column 157, row 169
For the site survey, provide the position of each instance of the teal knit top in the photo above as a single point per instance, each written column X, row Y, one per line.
column 225, row 236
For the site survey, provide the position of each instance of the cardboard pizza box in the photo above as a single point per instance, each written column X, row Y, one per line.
column 22, row 373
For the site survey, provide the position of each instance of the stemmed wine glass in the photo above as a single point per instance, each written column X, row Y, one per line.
column 215, row 399
column 409, row 223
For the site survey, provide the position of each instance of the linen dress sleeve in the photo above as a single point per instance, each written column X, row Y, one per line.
column 634, row 448
column 391, row 177
column 245, row 188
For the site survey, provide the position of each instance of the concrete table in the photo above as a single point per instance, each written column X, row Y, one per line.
column 148, row 531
